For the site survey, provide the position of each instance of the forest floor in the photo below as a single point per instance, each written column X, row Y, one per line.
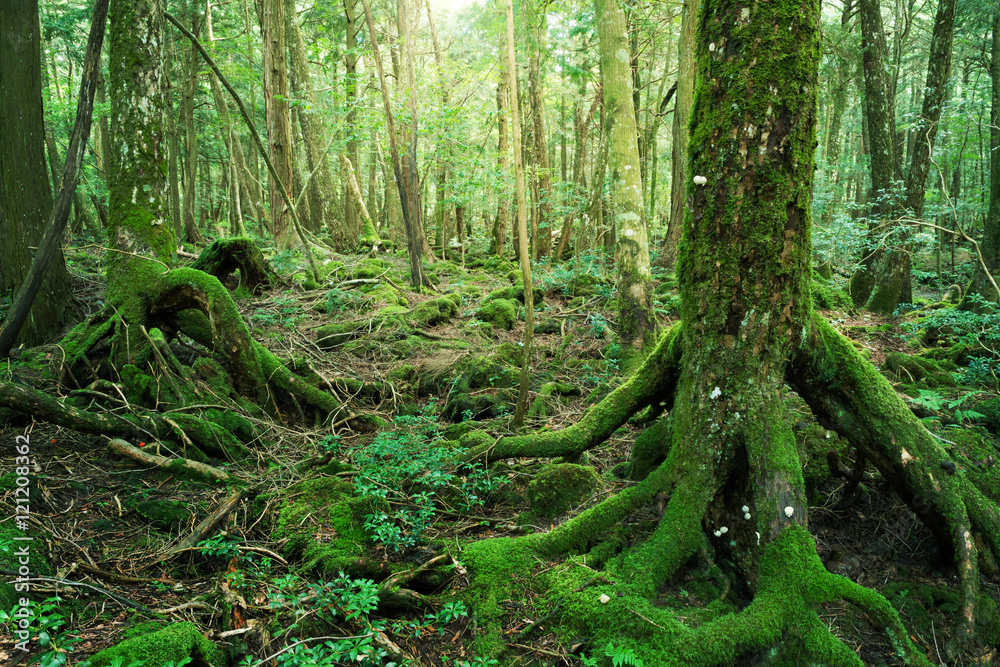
column 106, row 524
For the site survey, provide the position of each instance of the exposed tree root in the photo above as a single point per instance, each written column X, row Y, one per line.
column 652, row 385
column 226, row 256
column 192, row 467
column 130, row 341
column 719, row 461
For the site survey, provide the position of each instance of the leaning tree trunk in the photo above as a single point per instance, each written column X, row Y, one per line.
column 636, row 318
column 730, row 464
column 25, row 194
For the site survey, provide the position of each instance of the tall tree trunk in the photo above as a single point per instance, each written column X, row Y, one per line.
column 191, row 232
column 581, row 128
column 636, row 318
column 351, row 98
column 682, row 119
column 138, row 231
column 883, row 280
column 522, row 220
column 25, row 193
column 990, row 244
column 443, row 152
column 543, row 203
column 410, row 206
column 498, row 242
column 938, row 69
column 279, row 123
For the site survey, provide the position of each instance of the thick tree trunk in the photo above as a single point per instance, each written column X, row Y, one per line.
column 990, row 244
column 636, row 318
column 25, row 194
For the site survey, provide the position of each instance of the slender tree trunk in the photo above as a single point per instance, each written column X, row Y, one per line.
column 581, row 127
column 351, row 98
column 173, row 145
column 191, row 232
column 279, row 125
column 498, row 243
column 636, row 318
column 938, row 69
column 25, row 193
column 522, row 220
column 682, row 119
column 884, row 277
column 543, row 203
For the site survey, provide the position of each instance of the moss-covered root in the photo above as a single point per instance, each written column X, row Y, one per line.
column 653, row 383
column 226, row 256
column 793, row 582
column 849, row 396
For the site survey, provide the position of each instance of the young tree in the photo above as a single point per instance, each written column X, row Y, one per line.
column 536, row 16
column 722, row 452
column 25, row 194
column 279, row 124
column 636, row 318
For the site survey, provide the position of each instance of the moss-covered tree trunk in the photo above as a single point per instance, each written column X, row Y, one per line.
column 990, row 244
column 883, row 280
column 25, row 194
column 731, row 475
column 352, row 28
column 636, row 319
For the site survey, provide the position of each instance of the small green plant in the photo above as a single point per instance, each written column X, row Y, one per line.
column 450, row 612
column 622, row 656
column 47, row 622
column 221, row 545
column 478, row 661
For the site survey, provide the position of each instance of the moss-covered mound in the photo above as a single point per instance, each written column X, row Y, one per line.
column 501, row 313
column 915, row 369
column 172, row 644
column 323, row 522
column 560, row 487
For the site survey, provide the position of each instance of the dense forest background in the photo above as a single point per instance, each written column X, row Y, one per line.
column 424, row 413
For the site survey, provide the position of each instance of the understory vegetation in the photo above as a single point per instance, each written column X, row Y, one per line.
column 382, row 533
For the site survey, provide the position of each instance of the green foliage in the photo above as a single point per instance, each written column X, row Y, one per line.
column 47, row 621
column 410, row 471
column 220, row 545
column 934, row 401
column 622, row 656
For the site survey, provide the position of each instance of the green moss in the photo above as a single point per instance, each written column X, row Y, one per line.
column 915, row 369
column 516, row 293
column 433, row 312
column 165, row 515
column 171, row 644
column 560, row 487
column 496, row 565
column 827, row 297
column 323, row 523
column 501, row 313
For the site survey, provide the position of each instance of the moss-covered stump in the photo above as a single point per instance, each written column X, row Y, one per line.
column 477, row 387
column 561, row 487
column 323, row 522
column 227, row 256
column 437, row 311
column 172, row 644
column 915, row 369
column 501, row 313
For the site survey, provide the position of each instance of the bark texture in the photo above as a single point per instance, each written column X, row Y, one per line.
column 636, row 318
column 25, row 193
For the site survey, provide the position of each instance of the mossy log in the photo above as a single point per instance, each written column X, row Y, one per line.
column 179, row 465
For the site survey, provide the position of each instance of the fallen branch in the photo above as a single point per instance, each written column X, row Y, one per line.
column 194, row 467
column 208, row 525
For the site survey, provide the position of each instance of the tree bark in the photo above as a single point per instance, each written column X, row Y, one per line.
column 883, row 280
column 498, row 241
column 636, row 318
column 191, row 232
column 351, row 98
column 25, row 193
column 542, row 226
column 279, row 124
